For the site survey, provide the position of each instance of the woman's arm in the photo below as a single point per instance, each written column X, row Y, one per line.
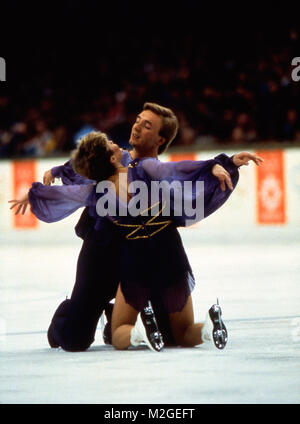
column 51, row 204
column 67, row 175
column 21, row 203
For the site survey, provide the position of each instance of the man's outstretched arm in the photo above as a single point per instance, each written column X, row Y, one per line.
column 226, row 165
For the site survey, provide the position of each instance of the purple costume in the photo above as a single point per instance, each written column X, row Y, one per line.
column 152, row 259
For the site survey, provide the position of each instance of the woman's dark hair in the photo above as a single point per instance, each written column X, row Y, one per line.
column 91, row 159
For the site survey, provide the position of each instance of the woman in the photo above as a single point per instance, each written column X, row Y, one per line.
column 151, row 264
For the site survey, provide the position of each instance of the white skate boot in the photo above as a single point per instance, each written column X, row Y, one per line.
column 145, row 330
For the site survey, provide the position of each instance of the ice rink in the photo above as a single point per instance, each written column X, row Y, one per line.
column 255, row 278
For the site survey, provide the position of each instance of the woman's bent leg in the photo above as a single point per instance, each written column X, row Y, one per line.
column 123, row 320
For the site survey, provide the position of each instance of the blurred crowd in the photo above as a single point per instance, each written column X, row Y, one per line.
column 227, row 97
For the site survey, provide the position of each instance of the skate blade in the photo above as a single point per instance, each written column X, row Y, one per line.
column 154, row 337
column 156, row 342
column 219, row 333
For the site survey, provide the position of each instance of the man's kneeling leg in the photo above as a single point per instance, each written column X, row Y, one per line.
column 70, row 330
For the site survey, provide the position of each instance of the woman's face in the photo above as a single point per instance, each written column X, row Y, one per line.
column 116, row 150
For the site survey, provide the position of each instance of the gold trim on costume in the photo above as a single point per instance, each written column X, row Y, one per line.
column 149, row 223
column 133, row 165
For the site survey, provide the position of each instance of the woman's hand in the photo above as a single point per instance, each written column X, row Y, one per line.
column 243, row 159
column 21, row 204
column 48, row 178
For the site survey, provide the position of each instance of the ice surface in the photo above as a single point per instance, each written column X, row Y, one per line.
column 256, row 282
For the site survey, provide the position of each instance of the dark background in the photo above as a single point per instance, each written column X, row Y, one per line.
column 73, row 66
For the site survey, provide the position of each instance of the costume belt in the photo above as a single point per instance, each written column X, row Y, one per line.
column 145, row 229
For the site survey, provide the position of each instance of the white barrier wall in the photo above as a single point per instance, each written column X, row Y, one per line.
column 265, row 198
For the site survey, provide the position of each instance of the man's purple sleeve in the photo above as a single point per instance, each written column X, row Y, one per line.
column 226, row 162
column 193, row 171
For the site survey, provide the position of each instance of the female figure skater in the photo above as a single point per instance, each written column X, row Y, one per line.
column 150, row 264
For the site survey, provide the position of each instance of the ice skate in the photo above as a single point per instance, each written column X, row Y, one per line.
column 146, row 330
column 214, row 329
column 105, row 323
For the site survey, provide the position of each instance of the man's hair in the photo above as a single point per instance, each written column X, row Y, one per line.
column 91, row 159
column 169, row 126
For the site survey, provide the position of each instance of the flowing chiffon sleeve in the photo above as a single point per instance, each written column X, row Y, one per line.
column 182, row 170
column 212, row 195
column 54, row 203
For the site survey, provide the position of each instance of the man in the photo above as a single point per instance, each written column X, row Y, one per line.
column 75, row 321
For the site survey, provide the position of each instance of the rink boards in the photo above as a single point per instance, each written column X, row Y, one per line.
column 265, row 196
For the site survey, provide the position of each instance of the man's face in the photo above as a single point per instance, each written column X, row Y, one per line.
column 145, row 131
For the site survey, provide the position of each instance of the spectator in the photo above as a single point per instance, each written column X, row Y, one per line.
column 291, row 126
column 39, row 144
column 244, row 131
column 219, row 98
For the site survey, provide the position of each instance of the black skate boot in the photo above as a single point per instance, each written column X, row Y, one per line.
column 146, row 330
column 106, row 332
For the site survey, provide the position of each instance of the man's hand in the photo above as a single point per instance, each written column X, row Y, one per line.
column 22, row 204
column 243, row 159
column 48, row 178
column 223, row 176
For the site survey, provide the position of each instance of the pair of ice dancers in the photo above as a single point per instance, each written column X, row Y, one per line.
column 150, row 260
